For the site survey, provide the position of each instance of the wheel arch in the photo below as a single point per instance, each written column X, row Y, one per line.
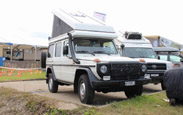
column 48, row 71
column 82, row 71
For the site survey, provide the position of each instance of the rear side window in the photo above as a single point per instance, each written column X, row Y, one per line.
column 58, row 50
column 50, row 51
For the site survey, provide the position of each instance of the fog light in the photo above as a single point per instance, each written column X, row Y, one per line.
column 147, row 76
column 106, row 78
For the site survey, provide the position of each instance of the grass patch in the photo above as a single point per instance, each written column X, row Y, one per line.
column 147, row 105
column 15, row 102
column 12, row 75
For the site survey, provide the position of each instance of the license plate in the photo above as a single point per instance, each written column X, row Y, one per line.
column 129, row 83
column 154, row 75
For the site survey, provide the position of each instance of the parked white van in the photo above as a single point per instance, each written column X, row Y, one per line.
column 134, row 45
column 82, row 53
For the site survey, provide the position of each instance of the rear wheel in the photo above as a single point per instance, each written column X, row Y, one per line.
column 85, row 91
column 172, row 101
column 134, row 91
column 52, row 84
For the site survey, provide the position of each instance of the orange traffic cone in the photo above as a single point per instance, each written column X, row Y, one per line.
column 19, row 75
column 9, row 74
column 4, row 71
column 26, row 70
column 30, row 73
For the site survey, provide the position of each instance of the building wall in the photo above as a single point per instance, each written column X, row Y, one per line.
column 1, row 51
column 30, row 54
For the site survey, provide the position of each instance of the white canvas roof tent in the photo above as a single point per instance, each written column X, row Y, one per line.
column 80, row 25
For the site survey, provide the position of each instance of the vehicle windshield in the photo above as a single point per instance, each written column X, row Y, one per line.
column 94, row 46
column 139, row 52
column 173, row 58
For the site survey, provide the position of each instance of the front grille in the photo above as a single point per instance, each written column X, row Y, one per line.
column 125, row 71
column 151, row 66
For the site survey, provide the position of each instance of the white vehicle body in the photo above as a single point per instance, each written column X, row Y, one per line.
column 155, row 73
column 82, row 52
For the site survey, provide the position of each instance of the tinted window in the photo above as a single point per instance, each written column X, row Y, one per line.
column 50, row 51
column 58, row 50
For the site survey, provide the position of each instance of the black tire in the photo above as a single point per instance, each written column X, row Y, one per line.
column 85, row 91
column 52, row 84
column 134, row 91
column 43, row 59
column 163, row 86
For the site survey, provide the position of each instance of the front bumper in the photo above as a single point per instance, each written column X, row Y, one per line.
column 116, row 85
column 155, row 76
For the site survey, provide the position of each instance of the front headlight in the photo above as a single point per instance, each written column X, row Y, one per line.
column 103, row 69
column 144, row 68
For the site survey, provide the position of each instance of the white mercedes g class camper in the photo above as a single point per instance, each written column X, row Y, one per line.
column 82, row 53
column 134, row 45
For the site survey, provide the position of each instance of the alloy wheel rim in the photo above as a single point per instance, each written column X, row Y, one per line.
column 82, row 90
column 50, row 83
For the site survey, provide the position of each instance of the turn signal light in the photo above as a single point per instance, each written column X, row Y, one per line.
column 96, row 60
column 141, row 60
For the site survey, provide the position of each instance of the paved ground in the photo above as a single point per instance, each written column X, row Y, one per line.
column 66, row 94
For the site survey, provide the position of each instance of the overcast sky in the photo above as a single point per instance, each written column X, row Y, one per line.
column 33, row 18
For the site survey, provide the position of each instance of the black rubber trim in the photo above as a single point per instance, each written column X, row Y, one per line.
column 53, row 73
column 100, row 84
column 91, row 76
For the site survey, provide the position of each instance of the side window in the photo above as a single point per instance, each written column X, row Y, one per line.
column 58, row 50
column 50, row 51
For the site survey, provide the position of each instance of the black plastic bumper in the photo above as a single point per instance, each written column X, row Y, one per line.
column 156, row 79
column 116, row 84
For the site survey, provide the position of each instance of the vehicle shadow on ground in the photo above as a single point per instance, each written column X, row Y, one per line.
column 150, row 90
column 100, row 99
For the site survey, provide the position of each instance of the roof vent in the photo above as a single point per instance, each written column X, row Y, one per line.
column 133, row 35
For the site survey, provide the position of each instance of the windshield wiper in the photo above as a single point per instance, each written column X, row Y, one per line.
column 100, row 52
column 85, row 52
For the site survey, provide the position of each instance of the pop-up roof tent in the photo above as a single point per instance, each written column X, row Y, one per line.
column 75, row 22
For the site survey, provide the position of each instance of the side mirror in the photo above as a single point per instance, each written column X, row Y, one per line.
column 181, row 60
column 65, row 50
column 159, row 57
column 48, row 54
column 122, row 46
column 49, row 38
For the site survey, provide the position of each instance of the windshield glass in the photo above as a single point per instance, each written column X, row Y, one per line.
column 139, row 53
column 92, row 46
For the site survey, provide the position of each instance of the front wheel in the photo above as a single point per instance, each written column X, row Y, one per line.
column 85, row 91
column 134, row 91
column 52, row 84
